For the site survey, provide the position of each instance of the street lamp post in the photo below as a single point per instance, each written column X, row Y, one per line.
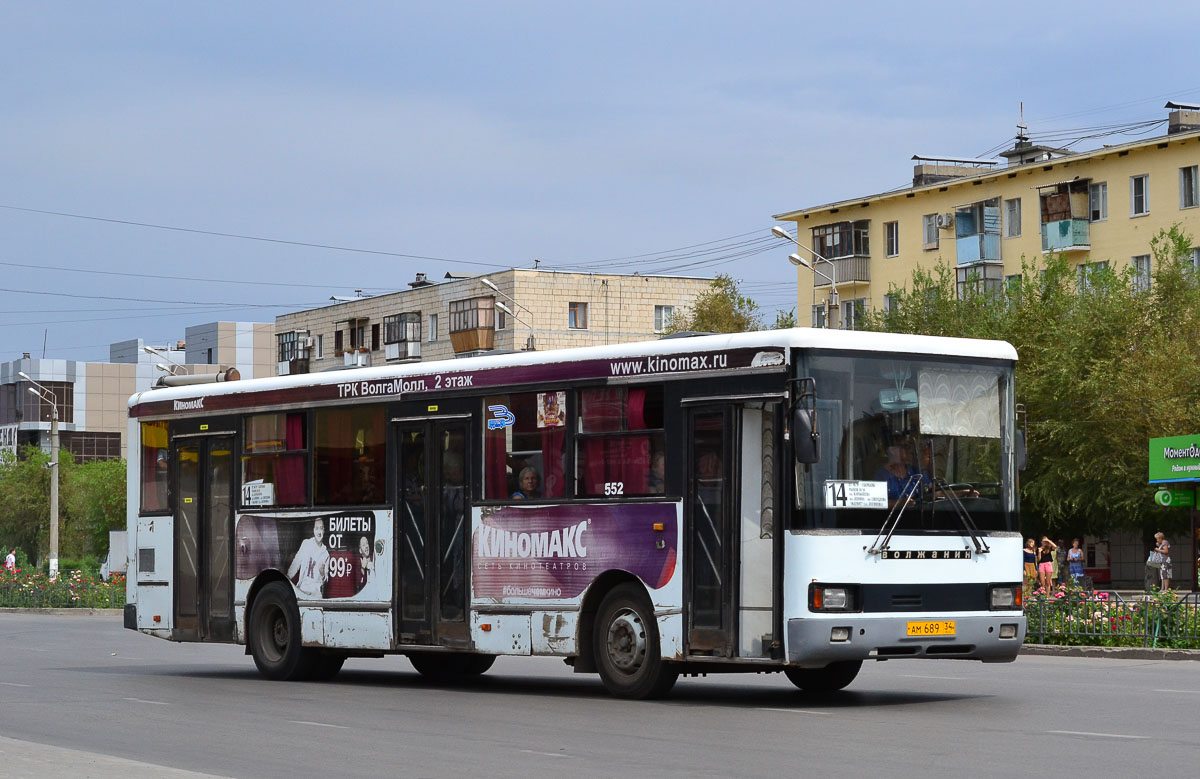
column 529, row 346
column 41, row 392
column 797, row 260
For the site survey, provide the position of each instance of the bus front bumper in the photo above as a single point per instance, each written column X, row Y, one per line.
column 817, row 642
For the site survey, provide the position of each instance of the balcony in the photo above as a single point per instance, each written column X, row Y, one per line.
column 844, row 270
column 980, row 247
column 1066, row 235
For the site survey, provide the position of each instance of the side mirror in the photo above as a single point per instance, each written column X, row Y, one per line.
column 806, row 439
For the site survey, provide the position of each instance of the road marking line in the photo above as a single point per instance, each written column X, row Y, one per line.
column 543, row 754
column 1097, row 735
column 1193, row 692
column 317, row 724
column 15, row 684
column 142, row 700
column 919, row 676
column 791, row 711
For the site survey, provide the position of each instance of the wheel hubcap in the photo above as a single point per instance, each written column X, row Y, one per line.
column 626, row 641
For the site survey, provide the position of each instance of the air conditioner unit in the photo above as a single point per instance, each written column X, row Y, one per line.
column 945, row 221
column 307, row 343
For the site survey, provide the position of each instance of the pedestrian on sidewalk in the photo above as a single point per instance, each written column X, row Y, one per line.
column 1075, row 562
column 10, row 562
column 1045, row 564
column 1163, row 549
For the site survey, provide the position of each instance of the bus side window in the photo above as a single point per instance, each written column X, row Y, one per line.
column 620, row 448
column 154, row 467
column 524, row 446
column 274, row 460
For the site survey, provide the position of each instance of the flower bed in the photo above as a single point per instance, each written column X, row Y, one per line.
column 73, row 589
column 1071, row 616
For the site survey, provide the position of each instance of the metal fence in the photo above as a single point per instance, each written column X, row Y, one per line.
column 1108, row 619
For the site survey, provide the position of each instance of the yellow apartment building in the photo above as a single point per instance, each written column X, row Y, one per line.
column 982, row 217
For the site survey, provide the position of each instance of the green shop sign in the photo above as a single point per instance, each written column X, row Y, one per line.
column 1175, row 498
column 1175, row 459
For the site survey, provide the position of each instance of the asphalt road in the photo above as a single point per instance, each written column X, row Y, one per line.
column 80, row 696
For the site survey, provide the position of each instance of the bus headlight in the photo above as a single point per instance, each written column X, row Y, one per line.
column 1004, row 597
column 833, row 597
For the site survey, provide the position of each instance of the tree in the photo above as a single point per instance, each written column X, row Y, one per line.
column 719, row 309
column 784, row 320
column 1103, row 367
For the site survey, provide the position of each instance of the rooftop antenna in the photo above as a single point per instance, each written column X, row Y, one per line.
column 1021, row 128
column 536, row 262
column 45, row 336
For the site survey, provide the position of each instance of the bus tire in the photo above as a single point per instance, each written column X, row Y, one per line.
column 450, row 667
column 326, row 665
column 275, row 635
column 832, row 677
column 626, row 646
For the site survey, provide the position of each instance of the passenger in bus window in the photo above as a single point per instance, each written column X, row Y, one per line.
column 528, row 484
column 658, row 470
column 309, row 567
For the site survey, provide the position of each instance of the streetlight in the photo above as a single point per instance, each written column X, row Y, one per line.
column 153, row 352
column 41, row 392
column 529, row 346
column 501, row 307
column 797, row 260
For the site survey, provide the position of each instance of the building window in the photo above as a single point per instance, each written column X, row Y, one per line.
column 1087, row 273
column 891, row 301
column 1012, row 218
column 977, row 232
column 375, row 337
column 1139, row 195
column 818, row 315
column 930, row 233
column 1098, row 201
column 981, row 279
column 402, row 335
column 289, row 343
column 1012, row 284
column 1141, row 272
column 577, row 316
column 853, row 312
column 501, row 320
column 473, row 314
column 320, row 346
column 843, row 239
column 433, row 327
column 662, row 317
column 337, row 342
column 1196, row 260
column 891, row 231
column 35, row 409
column 1188, row 195
column 89, row 447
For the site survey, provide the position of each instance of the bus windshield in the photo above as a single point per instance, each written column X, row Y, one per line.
column 914, row 430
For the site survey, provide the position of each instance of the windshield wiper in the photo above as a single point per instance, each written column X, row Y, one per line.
column 893, row 517
column 964, row 516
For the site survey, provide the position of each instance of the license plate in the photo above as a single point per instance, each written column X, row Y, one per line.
column 942, row 627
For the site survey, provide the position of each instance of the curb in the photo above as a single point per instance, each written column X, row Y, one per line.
column 1111, row 652
column 66, row 612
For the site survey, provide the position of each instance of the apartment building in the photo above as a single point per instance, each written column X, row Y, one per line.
column 981, row 217
column 508, row 310
column 92, row 397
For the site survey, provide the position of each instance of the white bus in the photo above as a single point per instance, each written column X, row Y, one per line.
column 796, row 501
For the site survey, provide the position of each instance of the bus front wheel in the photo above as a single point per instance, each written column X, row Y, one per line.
column 275, row 635
column 626, row 646
column 832, row 677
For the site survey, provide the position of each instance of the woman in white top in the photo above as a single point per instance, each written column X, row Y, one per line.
column 1162, row 547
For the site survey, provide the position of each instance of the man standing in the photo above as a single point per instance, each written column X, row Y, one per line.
column 311, row 563
column 10, row 562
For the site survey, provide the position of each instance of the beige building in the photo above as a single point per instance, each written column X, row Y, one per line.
column 503, row 311
column 981, row 217
column 92, row 397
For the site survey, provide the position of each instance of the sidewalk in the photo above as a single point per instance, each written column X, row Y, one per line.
column 1111, row 652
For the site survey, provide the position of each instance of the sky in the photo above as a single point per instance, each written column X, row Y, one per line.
column 171, row 164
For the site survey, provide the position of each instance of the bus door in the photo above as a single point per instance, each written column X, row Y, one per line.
column 433, row 519
column 203, row 580
column 733, row 543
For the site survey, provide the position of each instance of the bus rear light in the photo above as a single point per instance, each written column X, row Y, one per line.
column 158, row 618
column 1008, row 631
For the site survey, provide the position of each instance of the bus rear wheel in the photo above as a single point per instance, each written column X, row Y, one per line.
column 275, row 635
column 450, row 667
column 832, row 677
column 626, row 646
